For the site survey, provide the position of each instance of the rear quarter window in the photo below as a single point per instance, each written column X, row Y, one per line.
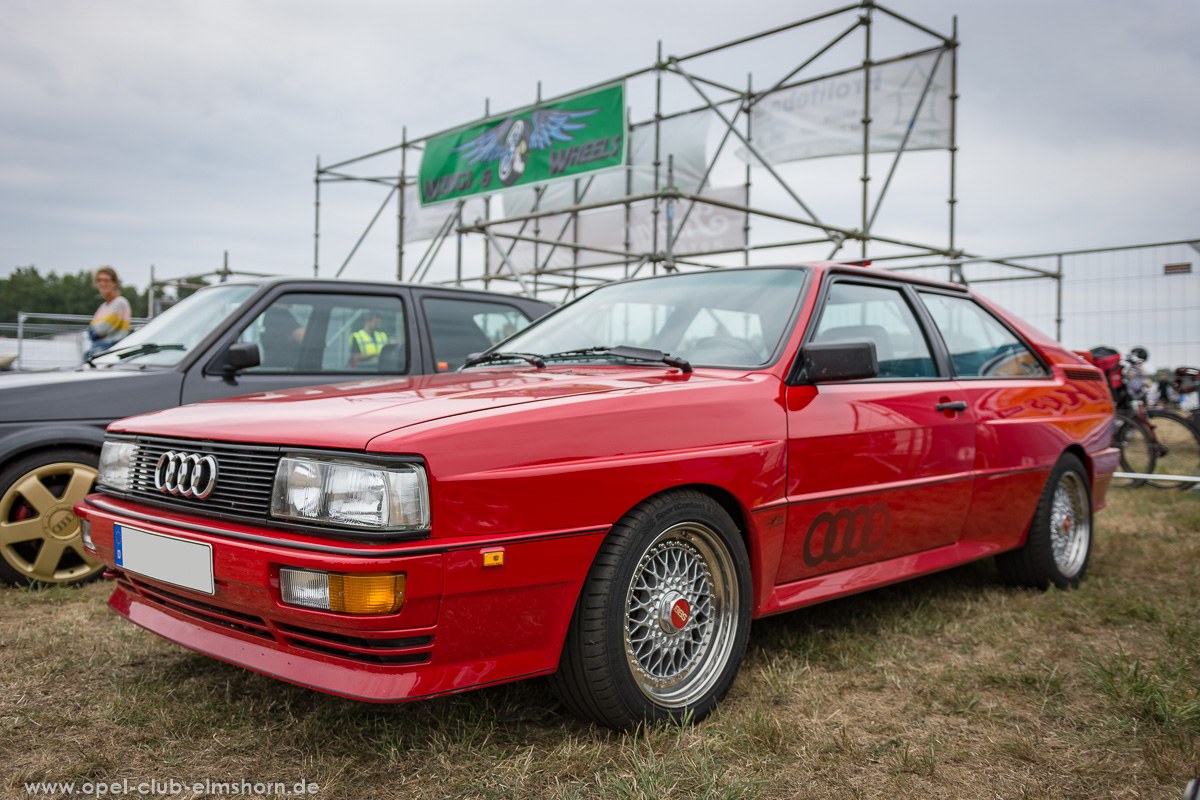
column 980, row 345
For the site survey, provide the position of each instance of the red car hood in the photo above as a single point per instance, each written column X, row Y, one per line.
column 349, row 415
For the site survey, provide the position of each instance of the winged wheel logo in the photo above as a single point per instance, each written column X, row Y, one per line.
column 511, row 141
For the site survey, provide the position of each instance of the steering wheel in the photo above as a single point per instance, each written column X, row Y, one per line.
column 724, row 350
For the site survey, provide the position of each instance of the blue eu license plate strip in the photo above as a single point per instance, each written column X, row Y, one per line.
column 169, row 559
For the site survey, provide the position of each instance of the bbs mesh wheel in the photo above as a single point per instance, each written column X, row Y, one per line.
column 1059, row 543
column 662, row 623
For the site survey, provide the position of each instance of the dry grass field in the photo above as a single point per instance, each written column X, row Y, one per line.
column 951, row 686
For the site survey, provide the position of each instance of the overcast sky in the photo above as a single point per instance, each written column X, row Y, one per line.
column 158, row 132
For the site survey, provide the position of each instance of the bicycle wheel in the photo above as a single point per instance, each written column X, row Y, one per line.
column 1178, row 452
column 1137, row 450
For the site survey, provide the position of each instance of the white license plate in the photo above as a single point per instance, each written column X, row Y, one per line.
column 165, row 558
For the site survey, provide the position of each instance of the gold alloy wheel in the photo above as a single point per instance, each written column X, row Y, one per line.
column 39, row 532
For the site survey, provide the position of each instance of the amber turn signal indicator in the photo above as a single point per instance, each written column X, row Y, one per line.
column 343, row 593
column 493, row 558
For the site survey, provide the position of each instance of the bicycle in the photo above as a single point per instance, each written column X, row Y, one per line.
column 1150, row 440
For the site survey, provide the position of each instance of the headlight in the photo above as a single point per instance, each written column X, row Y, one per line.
column 115, row 459
column 351, row 494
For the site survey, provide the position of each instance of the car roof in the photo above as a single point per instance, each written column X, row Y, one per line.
column 274, row 280
column 880, row 272
column 819, row 267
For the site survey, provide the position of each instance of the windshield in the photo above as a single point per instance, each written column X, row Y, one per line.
column 725, row 318
column 185, row 323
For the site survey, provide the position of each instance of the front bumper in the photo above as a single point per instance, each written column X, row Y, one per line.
column 462, row 625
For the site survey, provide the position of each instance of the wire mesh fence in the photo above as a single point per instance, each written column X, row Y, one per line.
column 1145, row 295
column 46, row 345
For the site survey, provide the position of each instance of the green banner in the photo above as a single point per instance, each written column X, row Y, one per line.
column 557, row 140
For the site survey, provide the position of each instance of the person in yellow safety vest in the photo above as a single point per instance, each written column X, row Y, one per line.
column 367, row 343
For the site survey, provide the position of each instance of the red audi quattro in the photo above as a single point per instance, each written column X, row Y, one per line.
column 611, row 495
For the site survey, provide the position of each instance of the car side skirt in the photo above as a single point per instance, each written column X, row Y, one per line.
column 809, row 591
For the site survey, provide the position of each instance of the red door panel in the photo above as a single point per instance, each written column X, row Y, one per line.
column 875, row 471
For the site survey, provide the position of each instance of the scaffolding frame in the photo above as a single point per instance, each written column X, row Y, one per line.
column 157, row 300
column 732, row 106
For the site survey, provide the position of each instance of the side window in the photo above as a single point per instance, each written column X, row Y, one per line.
column 858, row 312
column 330, row 333
column 458, row 328
column 980, row 346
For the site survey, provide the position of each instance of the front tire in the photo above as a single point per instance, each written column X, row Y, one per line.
column 1059, row 543
column 40, row 540
column 662, row 623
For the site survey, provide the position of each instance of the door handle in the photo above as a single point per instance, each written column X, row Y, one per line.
column 957, row 405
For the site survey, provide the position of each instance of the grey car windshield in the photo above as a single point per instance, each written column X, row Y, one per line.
column 724, row 318
column 186, row 323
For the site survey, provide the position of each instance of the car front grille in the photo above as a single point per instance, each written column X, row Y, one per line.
column 245, row 474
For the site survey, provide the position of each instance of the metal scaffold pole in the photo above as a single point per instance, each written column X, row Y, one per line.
column 658, row 76
column 1058, row 299
column 953, row 128
column 400, row 204
column 317, row 220
column 628, row 189
column 866, row 128
column 487, row 253
column 749, row 138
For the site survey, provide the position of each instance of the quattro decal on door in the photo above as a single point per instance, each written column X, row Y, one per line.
column 849, row 532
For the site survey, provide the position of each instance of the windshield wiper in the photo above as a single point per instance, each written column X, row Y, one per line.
column 532, row 358
column 624, row 351
column 135, row 350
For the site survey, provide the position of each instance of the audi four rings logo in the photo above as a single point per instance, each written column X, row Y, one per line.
column 187, row 474
column 848, row 533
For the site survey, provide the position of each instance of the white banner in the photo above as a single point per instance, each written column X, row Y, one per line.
column 706, row 229
column 425, row 222
column 824, row 118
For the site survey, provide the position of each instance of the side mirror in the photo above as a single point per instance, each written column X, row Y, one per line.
column 240, row 356
column 828, row 362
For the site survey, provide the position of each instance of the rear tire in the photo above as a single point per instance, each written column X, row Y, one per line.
column 662, row 622
column 1059, row 543
column 40, row 541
